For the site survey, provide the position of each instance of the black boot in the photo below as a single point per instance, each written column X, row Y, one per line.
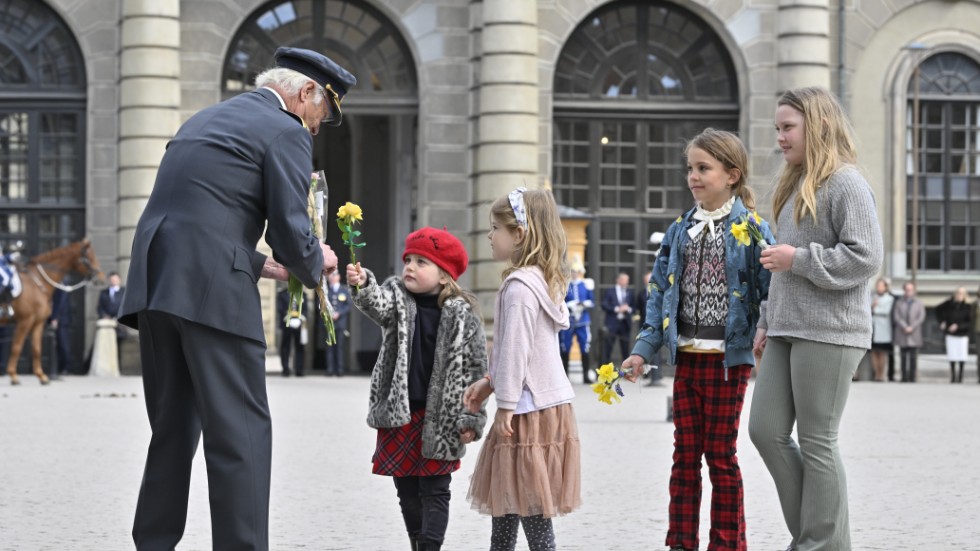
column 586, row 370
column 414, row 539
column 429, row 546
column 564, row 360
column 952, row 372
column 959, row 377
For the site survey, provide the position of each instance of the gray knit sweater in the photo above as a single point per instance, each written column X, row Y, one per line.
column 824, row 297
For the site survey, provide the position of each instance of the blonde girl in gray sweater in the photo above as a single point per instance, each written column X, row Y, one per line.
column 816, row 326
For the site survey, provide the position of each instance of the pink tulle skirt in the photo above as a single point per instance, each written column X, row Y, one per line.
column 537, row 471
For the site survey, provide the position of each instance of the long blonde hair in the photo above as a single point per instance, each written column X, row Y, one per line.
column 454, row 289
column 829, row 146
column 727, row 149
column 543, row 244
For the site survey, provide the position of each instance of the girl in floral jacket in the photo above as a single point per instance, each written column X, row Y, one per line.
column 705, row 296
column 433, row 347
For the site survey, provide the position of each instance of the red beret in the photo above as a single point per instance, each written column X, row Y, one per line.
column 439, row 246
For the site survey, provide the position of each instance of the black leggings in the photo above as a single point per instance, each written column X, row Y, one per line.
column 538, row 530
column 425, row 505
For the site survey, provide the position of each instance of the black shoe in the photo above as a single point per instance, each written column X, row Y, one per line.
column 286, row 373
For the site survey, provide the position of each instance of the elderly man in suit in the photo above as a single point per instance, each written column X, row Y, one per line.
column 233, row 170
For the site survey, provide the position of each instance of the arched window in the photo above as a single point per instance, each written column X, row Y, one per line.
column 949, row 164
column 42, row 128
column 635, row 80
column 350, row 32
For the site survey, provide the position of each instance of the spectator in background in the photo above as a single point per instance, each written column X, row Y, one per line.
column 60, row 321
column 339, row 298
column 108, row 307
column 976, row 330
column 954, row 321
column 291, row 338
column 618, row 304
column 908, row 314
column 579, row 302
column 882, row 303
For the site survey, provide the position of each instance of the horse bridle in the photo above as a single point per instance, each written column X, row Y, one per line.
column 90, row 273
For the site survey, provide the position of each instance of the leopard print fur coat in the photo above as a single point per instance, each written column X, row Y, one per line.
column 460, row 359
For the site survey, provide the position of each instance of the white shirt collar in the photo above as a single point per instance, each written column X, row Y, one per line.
column 282, row 102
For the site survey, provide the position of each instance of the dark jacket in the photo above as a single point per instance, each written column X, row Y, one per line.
column 612, row 322
column 748, row 288
column 230, row 169
column 956, row 313
column 340, row 301
column 108, row 306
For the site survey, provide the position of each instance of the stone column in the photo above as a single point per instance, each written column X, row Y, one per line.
column 148, row 105
column 803, row 43
column 506, row 144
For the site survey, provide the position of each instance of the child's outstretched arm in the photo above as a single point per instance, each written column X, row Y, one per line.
column 651, row 336
column 473, row 417
column 375, row 301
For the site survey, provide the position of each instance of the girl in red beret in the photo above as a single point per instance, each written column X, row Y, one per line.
column 529, row 469
column 433, row 348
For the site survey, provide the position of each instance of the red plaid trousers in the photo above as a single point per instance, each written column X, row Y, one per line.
column 707, row 405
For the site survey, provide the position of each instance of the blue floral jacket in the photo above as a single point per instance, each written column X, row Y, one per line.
column 748, row 287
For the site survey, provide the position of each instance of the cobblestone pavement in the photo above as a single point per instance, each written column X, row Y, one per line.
column 73, row 451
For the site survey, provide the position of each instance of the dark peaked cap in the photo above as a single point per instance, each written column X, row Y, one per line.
column 321, row 69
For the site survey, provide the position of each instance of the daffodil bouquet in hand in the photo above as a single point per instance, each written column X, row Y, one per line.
column 608, row 385
column 316, row 198
column 749, row 230
column 347, row 216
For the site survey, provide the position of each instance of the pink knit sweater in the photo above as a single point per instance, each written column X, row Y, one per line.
column 525, row 349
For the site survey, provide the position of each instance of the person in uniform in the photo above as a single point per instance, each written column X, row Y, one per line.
column 339, row 298
column 233, row 170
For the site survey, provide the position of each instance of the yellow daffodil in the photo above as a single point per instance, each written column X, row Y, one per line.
column 599, row 387
column 608, row 396
column 741, row 233
column 679, row 219
column 666, row 322
column 670, row 279
column 350, row 210
column 607, row 373
column 758, row 219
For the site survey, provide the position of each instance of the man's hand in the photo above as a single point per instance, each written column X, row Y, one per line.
column 274, row 270
column 634, row 365
column 355, row 276
column 467, row 435
column 329, row 259
column 501, row 422
column 778, row 258
column 476, row 394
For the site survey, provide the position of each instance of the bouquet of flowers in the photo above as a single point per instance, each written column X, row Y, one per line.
column 316, row 199
column 608, row 384
column 750, row 229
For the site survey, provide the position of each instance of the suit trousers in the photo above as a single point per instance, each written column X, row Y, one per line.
column 336, row 354
column 805, row 383
column 291, row 340
column 200, row 379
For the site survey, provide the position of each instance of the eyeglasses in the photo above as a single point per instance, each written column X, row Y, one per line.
column 333, row 114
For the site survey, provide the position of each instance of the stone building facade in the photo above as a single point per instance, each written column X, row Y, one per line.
column 459, row 101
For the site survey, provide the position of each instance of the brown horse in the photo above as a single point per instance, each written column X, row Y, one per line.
column 32, row 308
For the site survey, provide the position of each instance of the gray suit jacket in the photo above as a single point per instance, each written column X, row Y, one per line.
column 231, row 168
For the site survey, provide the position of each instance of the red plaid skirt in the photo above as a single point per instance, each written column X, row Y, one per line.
column 399, row 452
